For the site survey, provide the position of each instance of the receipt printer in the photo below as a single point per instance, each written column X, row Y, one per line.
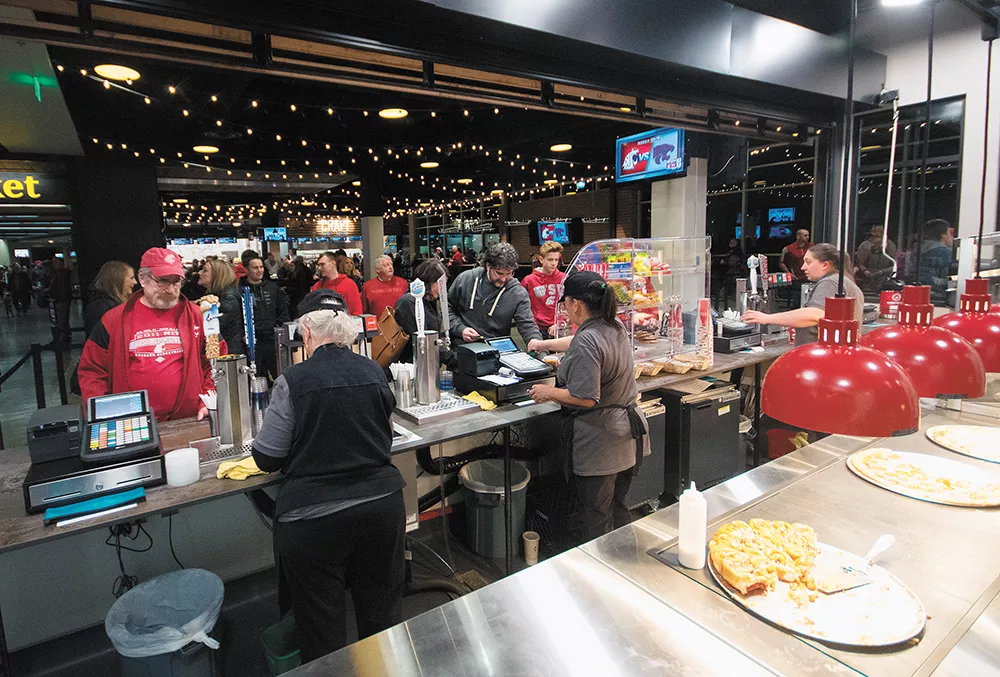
column 477, row 359
column 54, row 433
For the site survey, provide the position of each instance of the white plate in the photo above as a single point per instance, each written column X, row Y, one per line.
column 977, row 441
column 986, row 485
column 883, row 613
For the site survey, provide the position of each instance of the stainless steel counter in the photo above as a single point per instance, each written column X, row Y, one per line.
column 610, row 608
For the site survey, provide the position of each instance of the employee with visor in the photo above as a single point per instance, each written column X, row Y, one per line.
column 339, row 516
column 606, row 433
column 485, row 301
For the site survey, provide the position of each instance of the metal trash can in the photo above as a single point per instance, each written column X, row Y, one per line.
column 484, row 505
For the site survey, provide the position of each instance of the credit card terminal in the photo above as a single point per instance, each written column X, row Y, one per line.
column 119, row 427
column 521, row 363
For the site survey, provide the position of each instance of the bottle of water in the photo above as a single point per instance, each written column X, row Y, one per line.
column 446, row 380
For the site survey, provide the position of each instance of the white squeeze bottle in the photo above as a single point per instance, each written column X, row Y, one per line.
column 694, row 522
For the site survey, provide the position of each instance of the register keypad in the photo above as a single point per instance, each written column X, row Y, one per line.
column 119, row 433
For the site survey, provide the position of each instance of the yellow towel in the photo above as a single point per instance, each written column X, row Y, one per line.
column 483, row 403
column 238, row 470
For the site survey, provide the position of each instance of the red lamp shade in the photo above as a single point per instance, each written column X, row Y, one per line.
column 940, row 363
column 975, row 323
column 839, row 386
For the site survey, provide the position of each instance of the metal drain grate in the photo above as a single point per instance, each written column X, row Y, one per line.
column 471, row 579
column 210, row 451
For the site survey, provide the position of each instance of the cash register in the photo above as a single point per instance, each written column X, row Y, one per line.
column 498, row 370
column 119, row 449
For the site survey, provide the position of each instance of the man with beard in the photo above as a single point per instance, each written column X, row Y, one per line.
column 154, row 341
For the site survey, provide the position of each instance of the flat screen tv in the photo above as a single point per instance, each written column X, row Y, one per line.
column 649, row 155
column 565, row 232
column 781, row 215
column 276, row 234
column 182, row 240
column 780, row 232
column 22, row 254
column 227, row 240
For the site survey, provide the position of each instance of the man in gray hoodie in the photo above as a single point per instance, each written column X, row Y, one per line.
column 484, row 301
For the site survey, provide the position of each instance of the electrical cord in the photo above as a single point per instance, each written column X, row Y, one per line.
column 170, row 539
column 130, row 530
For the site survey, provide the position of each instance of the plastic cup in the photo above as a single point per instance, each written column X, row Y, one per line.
column 530, row 547
column 183, row 467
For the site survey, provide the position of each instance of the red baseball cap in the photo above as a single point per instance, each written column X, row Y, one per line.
column 162, row 262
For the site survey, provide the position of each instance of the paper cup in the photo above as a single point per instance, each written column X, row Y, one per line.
column 530, row 547
column 182, row 467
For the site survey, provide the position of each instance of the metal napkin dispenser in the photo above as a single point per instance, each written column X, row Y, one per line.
column 477, row 359
column 232, row 383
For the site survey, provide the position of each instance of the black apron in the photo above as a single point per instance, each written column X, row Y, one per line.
column 636, row 429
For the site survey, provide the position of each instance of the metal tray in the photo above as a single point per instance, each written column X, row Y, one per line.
column 986, row 449
column 935, row 466
column 881, row 614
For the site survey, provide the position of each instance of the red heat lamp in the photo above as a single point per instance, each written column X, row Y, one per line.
column 975, row 323
column 838, row 386
column 940, row 363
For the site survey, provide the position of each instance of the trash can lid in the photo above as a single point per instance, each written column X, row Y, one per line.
column 486, row 477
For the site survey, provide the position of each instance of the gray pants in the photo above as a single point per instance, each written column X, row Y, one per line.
column 602, row 502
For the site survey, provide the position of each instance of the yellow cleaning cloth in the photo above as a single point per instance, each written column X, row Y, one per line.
column 238, row 470
column 483, row 403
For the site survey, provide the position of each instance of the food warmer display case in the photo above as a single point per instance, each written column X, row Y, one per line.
column 658, row 282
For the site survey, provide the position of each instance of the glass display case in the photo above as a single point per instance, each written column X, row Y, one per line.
column 989, row 263
column 658, row 283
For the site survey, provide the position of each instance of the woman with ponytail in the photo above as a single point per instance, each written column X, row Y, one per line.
column 605, row 432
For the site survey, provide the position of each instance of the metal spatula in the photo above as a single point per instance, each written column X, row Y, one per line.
column 848, row 578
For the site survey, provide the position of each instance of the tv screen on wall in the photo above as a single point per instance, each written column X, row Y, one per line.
column 649, row 155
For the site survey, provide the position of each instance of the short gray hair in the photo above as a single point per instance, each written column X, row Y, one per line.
column 331, row 327
column 380, row 258
column 501, row 255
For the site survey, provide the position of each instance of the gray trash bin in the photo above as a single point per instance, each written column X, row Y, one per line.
column 160, row 627
column 484, row 506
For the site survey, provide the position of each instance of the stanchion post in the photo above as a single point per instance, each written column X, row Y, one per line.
column 507, row 498
column 756, row 415
column 61, row 374
column 36, row 361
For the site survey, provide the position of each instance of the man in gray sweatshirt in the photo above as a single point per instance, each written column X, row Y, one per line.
column 483, row 302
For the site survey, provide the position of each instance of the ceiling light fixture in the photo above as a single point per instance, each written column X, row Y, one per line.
column 205, row 149
column 430, row 164
column 560, row 147
column 393, row 113
column 355, row 183
column 550, row 182
column 180, row 201
column 464, row 181
column 110, row 71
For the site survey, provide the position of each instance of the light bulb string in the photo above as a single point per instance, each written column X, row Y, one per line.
column 986, row 146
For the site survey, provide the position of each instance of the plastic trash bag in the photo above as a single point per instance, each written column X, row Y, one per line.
column 486, row 477
column 166, row 613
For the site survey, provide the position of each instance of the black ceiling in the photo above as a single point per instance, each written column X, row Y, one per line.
column 326, row 138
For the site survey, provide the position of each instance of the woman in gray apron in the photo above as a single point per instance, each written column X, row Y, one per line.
column 604, row 428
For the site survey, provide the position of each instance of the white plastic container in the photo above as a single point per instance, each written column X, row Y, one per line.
column 182, row 467
column 693, row 524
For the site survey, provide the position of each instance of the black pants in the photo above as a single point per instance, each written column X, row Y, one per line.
column 602, row 502
column 361, row 548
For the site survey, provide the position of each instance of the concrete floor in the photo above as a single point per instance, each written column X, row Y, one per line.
column 17, row 394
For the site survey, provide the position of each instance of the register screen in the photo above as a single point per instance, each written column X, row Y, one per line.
column 504, row 345
column 113, row 406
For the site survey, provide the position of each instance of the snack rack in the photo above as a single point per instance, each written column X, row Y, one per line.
column 658, row 282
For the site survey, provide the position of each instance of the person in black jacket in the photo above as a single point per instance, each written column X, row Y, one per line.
column 339, row 515
column 113, row 285
column 430, row 271
column 300, row 281
column 270, row 310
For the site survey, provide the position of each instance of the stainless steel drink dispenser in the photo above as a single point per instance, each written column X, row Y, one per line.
column 428, row 364
column 232, row 383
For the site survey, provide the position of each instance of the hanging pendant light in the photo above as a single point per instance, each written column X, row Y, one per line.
column 836, row 385
column 940, row 363
column 975, row 323
column 839, row 386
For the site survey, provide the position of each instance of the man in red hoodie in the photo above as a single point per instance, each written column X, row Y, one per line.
column 545, row 286
column 154, row 341
column 330, row 278
column 383, row 290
